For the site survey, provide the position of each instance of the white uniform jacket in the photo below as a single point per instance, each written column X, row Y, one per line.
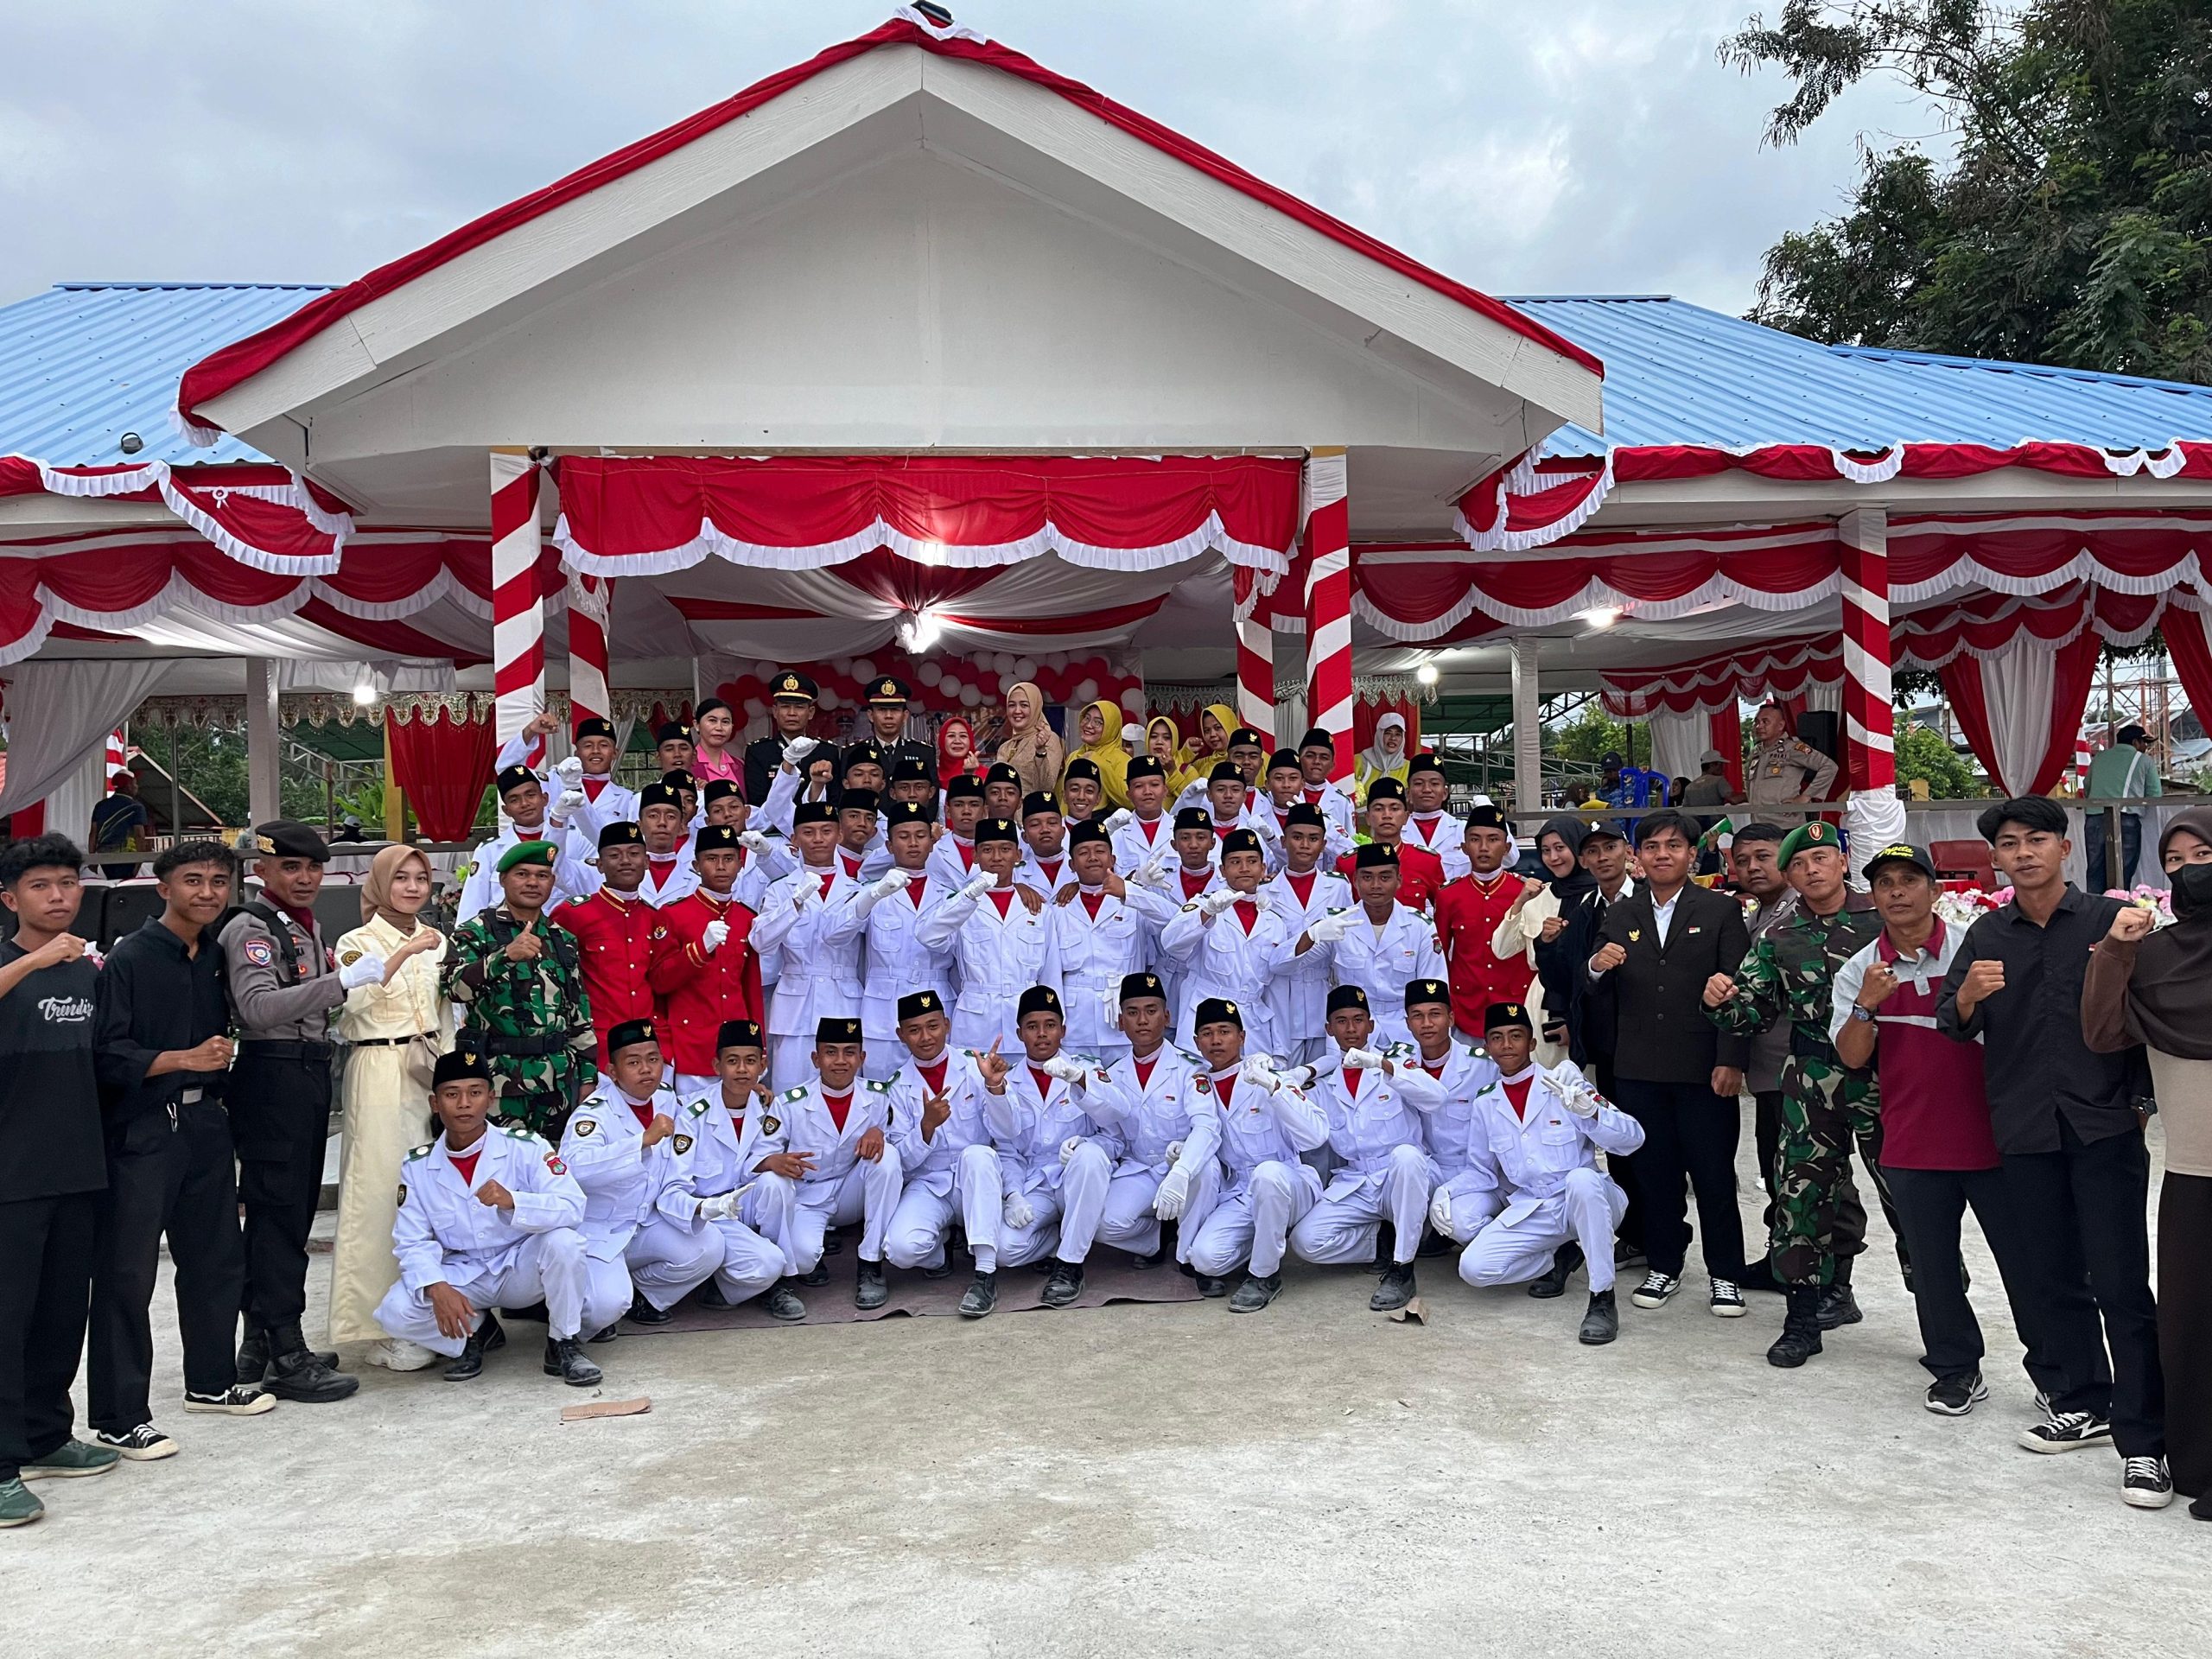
column 1094, row 953
column 947, row 866
column 1138, row 842
column 718, row 1155
column 819, row 947
column 999, row 957
column 1268, row 820
column 1335, row 807
column 806, row 1126
column 897, row 961
column 1298, row 991
column 1228, row 956
column 1464, row 1073
column 480, row 890
column 932, row 1163
column 1445, row 836
column 679, row 877
column 441, row 1233
column 1260, row 1125
column 625, row 1181
column 1147, row 1109
column 609, row 802
column 1047, row 875
column 1029, row 1155
column 1371, row 1113
column 1379, row 960
column 1526, row 1161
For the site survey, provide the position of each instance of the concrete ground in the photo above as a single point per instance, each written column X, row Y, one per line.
column 1146, row 1480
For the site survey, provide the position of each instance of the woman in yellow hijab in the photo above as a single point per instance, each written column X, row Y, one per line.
column 1164, row 743
column 1099, row 729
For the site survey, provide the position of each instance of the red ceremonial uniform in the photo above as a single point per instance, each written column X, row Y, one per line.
column 699, row 989
column 1420, row 875
column 615, row 939
column 1467, row 915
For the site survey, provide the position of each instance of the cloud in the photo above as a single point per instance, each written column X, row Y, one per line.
column 1583, row 145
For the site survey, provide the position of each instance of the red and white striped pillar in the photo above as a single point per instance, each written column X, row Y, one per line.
column 1255, row 656
column 1875, row 815
column 591, row 601
column 118, row 755
column 1328, row 603
column 518, row 609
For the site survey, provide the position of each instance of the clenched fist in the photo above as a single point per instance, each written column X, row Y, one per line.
column 2132, row 923
column 1718, row 989
column 1608, row 958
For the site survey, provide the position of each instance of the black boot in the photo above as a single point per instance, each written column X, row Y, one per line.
column 564, row 1358
column 295, row 1374
column 1065, row 1285
column 819, row 1273
column 1395, row 1290
column 784, row 1303
column 1147, row 1263
column 470, row 1364
column 711, row 1294
column 495, row 1333
column 980, row 1296
column 642, row 1312
column 253, row 1356
column 1801, row 1329
column 1255, row 1293
column 1553, row 1281
column 869, row 1291
column 1837, row 1307
column 1434, row 1243
column 1601, row 1322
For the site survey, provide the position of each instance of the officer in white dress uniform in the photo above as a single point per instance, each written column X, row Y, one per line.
column 838, row 1167
column 721, row 1139
column 1000, row 935
column 522, row 802
column 944, row 1129
column 487, row 1217
column 1317, row 759
column 898, row 962
column 1306, row 890
column 1532, row 1182
column 1377, row 1101
column 1429, row 826
column 810, row 918
column 1100, row 938
column 1381, row 946
column 1160, row 1124
column 1266, row 1124
column 1043, row 864
column 643, row 1231
column 952, row 861
column 1226, row 941
column 1463, row 1070
column 1143, row 831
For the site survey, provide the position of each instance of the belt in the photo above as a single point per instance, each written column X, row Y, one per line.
column 1806, row 1046
column 532, row 1047
column 250, row 1048
column 391, row 1042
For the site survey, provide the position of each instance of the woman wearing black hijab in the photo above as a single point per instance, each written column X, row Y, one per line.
column 2156, row 989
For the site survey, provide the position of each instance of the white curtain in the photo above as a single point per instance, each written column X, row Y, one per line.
column 1825, row 694
column 1677, row 741
column 2018, row 685
column 59, row 716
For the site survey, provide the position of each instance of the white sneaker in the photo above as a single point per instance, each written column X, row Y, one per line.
column 144, row 1444
column 397, row 1354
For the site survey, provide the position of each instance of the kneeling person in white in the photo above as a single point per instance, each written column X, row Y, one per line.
column 1533, row 1155
column 1055, row 1163
column 1265, row 1122
column 649, row 1246
column 944, row 1138
column 1376, row 1101
column 487, row 1218
column 837, row 1166
column 719, row 1140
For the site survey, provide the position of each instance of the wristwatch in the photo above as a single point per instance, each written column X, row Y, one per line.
column 1860, row 1011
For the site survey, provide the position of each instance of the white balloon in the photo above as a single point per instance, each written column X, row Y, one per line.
column 970, row 696
column 764, row 670
column 1057, row 659
column 864, row 668
column 1132, row 701
column 1024, row 667
column 1085, row 691
column 827, row 699
column 755, row 707
column 844, row 665
column 931, row 671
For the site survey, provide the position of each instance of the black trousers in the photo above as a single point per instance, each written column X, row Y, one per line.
column 2082, row 1214
column 45, row 1245
column 180, row 1181
column 1931, row 1204
column 280, row 1112
column 1630, row 1231
column 2185, row 1327
column 1689, row 1135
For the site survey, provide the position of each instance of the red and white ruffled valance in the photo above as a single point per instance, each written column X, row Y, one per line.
column 652, row 515
column 262, row 516
column 1534, row 504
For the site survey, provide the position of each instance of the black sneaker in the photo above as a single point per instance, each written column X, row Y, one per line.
column 1552, row 1282
column 833, row 1240
column 1628, row 1254
column 1601, row 1323
column 1255, row 1293
column 1065, row 1285
column 564, row 1358
column 2066, row 1430
column 1395, row 1290
column 2145, row 1483
column 869, row 1291
column 1956, row 1396
column 784, row 1303
column 144, row 1444
column 1657, row 1289
column 1837, row 1309
column 236, row 1400
column 980, row 1296
column 1727, row 1300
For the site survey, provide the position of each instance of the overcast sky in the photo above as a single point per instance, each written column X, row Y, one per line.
column 1570, row 146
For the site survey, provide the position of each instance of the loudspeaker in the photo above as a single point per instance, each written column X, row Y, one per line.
column 1823, row 729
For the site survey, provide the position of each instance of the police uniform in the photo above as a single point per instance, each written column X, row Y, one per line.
column 889, row 691
column 284, row 985
column 764, row 754
column 1782, row 771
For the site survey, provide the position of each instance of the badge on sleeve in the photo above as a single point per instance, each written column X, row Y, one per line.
column 585, row 1126
column 769, row 1125
column 402, row 1193
column 553, row 1162
column 683, row 1144
column 257, row 952
column 349, row 958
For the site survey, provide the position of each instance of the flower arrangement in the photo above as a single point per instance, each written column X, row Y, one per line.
column 1963, row 906
column 2159, row 901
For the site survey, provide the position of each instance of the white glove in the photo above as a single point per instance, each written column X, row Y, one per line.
column 565, row 803
column 1150, row 873
column 797, row 749
column 810, row 890
column 1259, row 1071
column 1327, row 929
column 1174, row 1192
column 1218, row 902
column 755, row 841
column 1017, row 1214
column 1117, row 819
column 1264, row 900
column 1066, row 1068
column 1174, row 1151
column 890, row 882
column 721, row 1207
column 1440, row 1211
column 569, row 774
column 1363, row 1059
column 364, row 969
column 715, row 935
column 978, row 884
column 1069, row 1147
column 1581, row 1098
column 1299, row 1077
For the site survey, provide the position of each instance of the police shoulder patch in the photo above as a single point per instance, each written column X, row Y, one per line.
column 583, row 1126
column 257, row 952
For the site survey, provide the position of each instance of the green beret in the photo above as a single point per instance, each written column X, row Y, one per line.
column 526, row 852
column 1815, row 834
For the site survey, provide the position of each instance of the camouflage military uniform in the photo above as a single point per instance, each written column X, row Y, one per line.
column 1789, row 974
column 529, row 1020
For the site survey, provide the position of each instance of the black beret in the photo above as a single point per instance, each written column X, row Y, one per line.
column 459, row 1066
column 1145, row 766
column 898, row 812
column 286, row 838
column 1302, row 816
column 721, row 788
column 1194, row 817
column 995, row 830
column 593, row 726
column 836, row 1028
column 624, row 834
column 672, row 731
column 514, row 777
column 628, row 1034
column 1038, row 999
column 716, row 838
column 1374, row 855
column 1037, row 801
column 1086, row 832
column 1215, row 1011
column 791, row 687
column 1347, row 996
column 1508, row 1013
column 1245, row 738
column 1385, row 789
column 1422, row 762
column 1135, row 986
column 1240, row 840
column 814, row 812
column 738, row 1033
column 911, row 769
column 1224, row 772
column 915, row 1004
column 1421, row 991
column 659, row 795
column 1003, row 773
column 857, row 800
column 1285, row 761
column 889, row 691
column 1083, row 767
column 966, row 785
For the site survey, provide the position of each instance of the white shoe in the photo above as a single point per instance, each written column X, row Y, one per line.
column 397, row 1354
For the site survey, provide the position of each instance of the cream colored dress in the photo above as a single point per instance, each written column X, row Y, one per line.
column 386, row 1117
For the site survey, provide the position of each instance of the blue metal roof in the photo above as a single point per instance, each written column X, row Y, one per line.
column 1679, row 374
column 84, row 363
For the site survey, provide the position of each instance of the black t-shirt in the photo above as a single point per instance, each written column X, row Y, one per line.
column 50, row 1101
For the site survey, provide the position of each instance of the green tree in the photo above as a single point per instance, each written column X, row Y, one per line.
column 1922, row 754
column 1588, row 735
column 2074, row 225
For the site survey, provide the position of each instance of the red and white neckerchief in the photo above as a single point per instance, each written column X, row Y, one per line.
column 829, row 881
column 967, row 851
column 1301, row 885
column 1092, row 897
column 660, row 867
column 643, row 1111
column 1144, row 1069
column 1043, row 1079
column 464, row 1165
column 1248, row 912
column 1427, row 825
column 1151, row 828
column 1051, row 868
column 1002, row 897
column 1193, row 886
column 933, row 1075
column 1516, row 1092
column 593, row 785
column 852, row 862
column 840, row 1107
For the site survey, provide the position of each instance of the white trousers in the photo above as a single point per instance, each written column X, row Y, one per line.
column 1254, row 1223
column 880, row 1061
column 662, row 1262
column 548, row 1267
column 1338, row 1230
column 750, row 1263
column 1587, row 1208
column 1065, row 1222
column 796, row 1214
column 915, row 1236
column 790, row 1060
column 979, row 1031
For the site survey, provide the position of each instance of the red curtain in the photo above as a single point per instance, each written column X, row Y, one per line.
column 1726, row 726
column 2184, row 634
column 444, row 764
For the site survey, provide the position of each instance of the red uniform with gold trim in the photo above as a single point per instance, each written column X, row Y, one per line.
column 615, row 939
column 1467, row 916
column 1420, row 875
column 699, row 989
